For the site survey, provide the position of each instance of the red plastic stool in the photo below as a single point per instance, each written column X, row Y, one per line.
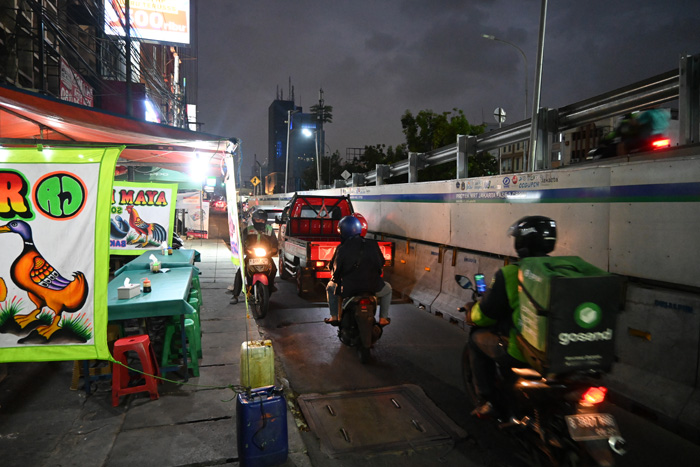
column 140, row 344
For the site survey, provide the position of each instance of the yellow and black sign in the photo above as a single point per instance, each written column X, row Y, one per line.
column 255, row 181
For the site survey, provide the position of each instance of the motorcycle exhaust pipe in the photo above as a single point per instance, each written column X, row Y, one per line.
column 617, row 444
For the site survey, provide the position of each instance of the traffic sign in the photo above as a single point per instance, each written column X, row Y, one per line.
column 255, row 181
column 500, row 115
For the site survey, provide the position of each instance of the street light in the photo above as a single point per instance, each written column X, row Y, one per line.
column 494, row 38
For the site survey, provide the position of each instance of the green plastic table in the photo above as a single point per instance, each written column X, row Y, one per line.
column 179, row 258
column 168, row 297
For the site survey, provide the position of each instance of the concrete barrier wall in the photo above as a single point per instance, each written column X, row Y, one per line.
column 638, row 218
column 428, row 274
column 401, row 275
column 452, row 296
column 658, row 333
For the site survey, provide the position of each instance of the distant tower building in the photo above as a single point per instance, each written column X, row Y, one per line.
column 301, row 149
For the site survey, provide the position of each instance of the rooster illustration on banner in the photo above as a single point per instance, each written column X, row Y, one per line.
column 142, row 215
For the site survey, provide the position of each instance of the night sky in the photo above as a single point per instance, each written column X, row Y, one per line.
column 377, row 59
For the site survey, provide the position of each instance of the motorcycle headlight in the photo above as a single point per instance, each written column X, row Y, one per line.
column 259, row 252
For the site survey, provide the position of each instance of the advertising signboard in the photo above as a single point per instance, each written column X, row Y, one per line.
column 73, row 87
column 166, row 21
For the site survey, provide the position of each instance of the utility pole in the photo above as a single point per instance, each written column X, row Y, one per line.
column 534, row 127
column 127, row 46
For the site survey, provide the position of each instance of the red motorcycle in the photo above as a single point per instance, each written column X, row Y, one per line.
column 259, row 269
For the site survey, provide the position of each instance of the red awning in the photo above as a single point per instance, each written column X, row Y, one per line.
column 28, row 118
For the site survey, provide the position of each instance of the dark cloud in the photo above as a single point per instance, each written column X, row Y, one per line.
column 375, row 60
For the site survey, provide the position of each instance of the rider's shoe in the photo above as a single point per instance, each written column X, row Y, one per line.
column 234, row 300
column 485, row 410
column 384, row 321
column 333, row 321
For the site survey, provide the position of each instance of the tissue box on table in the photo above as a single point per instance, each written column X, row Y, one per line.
column 128, row 291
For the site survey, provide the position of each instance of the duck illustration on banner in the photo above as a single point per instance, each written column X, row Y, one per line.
column 38, row 303
column 50, row 292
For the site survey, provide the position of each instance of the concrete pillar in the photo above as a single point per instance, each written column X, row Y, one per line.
column 358, row 180
column 689, row 100
column 416, row 162
column 383, row 172
column 466, row 148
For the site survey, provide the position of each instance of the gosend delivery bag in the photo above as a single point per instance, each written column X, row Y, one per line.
column 568, row 310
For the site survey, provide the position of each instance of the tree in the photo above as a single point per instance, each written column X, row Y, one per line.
column 333, row 163
column 427, row 131
column 374, row 155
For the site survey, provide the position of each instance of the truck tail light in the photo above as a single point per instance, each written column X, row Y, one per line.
column 594, row 395
column 320, row 264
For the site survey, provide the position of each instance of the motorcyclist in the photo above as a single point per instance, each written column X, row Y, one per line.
column 634, row 129
column 258, row 231
column 357, row 268
column 493, row 339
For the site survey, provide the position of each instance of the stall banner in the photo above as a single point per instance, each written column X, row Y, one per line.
column 196, row 214
column 54, row 206
column 142, row 217
column 234, row 227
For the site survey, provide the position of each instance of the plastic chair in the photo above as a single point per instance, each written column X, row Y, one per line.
column 196, row 285
column 171, row 351
column 141, row 345
column 196, row 292
column 197, row 328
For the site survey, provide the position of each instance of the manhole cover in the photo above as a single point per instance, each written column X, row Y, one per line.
column 375, row 420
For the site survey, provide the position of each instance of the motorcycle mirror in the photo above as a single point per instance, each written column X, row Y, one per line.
column 463, row 281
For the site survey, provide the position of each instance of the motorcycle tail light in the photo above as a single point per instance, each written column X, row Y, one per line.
column 365, row 303
column 259, row 252
column 320, row 264
column 661, row 143
column 594, row 395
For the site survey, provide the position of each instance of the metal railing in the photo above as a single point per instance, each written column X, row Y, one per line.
column 682, row 84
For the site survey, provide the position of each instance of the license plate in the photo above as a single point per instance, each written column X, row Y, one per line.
column 257, row 261
column 589, row 426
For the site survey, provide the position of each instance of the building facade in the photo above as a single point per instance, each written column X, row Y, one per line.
column 71, row 50
column 302, row 146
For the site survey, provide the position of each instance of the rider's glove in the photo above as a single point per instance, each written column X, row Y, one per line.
column 468, row 315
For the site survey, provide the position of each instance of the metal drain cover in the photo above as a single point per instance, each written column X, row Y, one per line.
column 376, row 420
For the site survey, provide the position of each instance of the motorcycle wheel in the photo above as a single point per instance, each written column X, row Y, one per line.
column 467, row 376
column 261, row 305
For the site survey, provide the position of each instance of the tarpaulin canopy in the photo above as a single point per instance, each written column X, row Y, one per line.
column 28, row 118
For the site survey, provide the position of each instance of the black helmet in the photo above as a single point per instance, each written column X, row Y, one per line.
column 260, row 216
column 534, row 236
column 349, row 226
column 259, row 220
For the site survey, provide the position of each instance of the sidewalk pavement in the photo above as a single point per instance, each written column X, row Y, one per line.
column 45, row 423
